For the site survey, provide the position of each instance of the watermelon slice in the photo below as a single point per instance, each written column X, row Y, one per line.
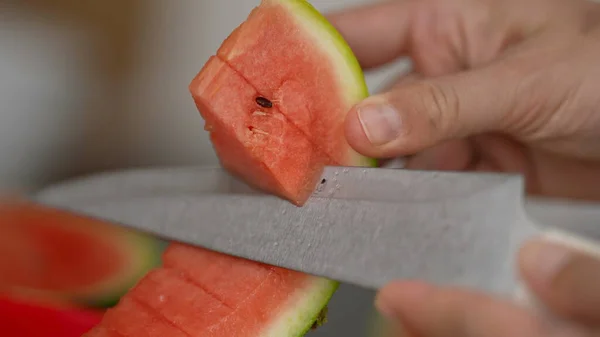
column 274, row 99
column 198, row 292
column 53, row 257
column 275, row 96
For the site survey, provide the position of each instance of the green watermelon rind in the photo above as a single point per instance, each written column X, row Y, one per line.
column 145, row 252
column 321, row 299
column 345, row 62
column 305, row 309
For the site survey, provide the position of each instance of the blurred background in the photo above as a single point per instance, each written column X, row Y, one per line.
column 87, row 86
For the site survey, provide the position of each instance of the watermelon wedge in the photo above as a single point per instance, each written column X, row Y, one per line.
column 274, row 99
column 56, row 258
column 275, row 96
column 198, row 292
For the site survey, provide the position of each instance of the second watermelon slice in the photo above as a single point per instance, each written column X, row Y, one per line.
column 201, row 293
column 57, row 258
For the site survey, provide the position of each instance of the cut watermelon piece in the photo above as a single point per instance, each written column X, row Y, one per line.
column 50, row 256
column 201, row 293
column 275, row 96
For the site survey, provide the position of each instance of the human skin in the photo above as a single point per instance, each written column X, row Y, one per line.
column 497, row 85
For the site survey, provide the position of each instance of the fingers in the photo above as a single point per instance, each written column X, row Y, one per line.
column 426, row 311
column 377, row 33
column 567, row 281
column 480, row 153
column 417, row 115
column 456, row 155
column 404, row 79
column 438, row 35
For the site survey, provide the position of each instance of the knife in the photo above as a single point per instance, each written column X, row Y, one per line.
column 362, row 226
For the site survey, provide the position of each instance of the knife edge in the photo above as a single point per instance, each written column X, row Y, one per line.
column 335, row 182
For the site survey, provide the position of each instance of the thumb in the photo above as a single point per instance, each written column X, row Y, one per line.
column 566, row 280
column 416, row 115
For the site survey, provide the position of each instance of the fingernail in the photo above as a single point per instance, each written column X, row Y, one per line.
column 544, row 260
column 380, row 122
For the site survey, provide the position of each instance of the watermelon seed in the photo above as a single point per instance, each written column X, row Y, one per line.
column 265, row 103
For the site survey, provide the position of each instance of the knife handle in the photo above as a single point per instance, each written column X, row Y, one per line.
column 524, row 297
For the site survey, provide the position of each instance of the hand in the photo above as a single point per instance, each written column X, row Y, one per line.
column 498, row 85
column 566, row 281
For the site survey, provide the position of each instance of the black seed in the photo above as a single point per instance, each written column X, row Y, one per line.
column 265, row 103
column 323, row 181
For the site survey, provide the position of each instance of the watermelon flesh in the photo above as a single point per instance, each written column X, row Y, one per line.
column 54, row 257
column 288, row 55
column 200, row 293
column 259, row 136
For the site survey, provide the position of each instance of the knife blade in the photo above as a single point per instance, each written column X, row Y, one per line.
column 363, row 226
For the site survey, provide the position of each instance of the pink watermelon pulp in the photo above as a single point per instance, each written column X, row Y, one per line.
column 275, row 96
column 57, row 258
column 202, row 293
